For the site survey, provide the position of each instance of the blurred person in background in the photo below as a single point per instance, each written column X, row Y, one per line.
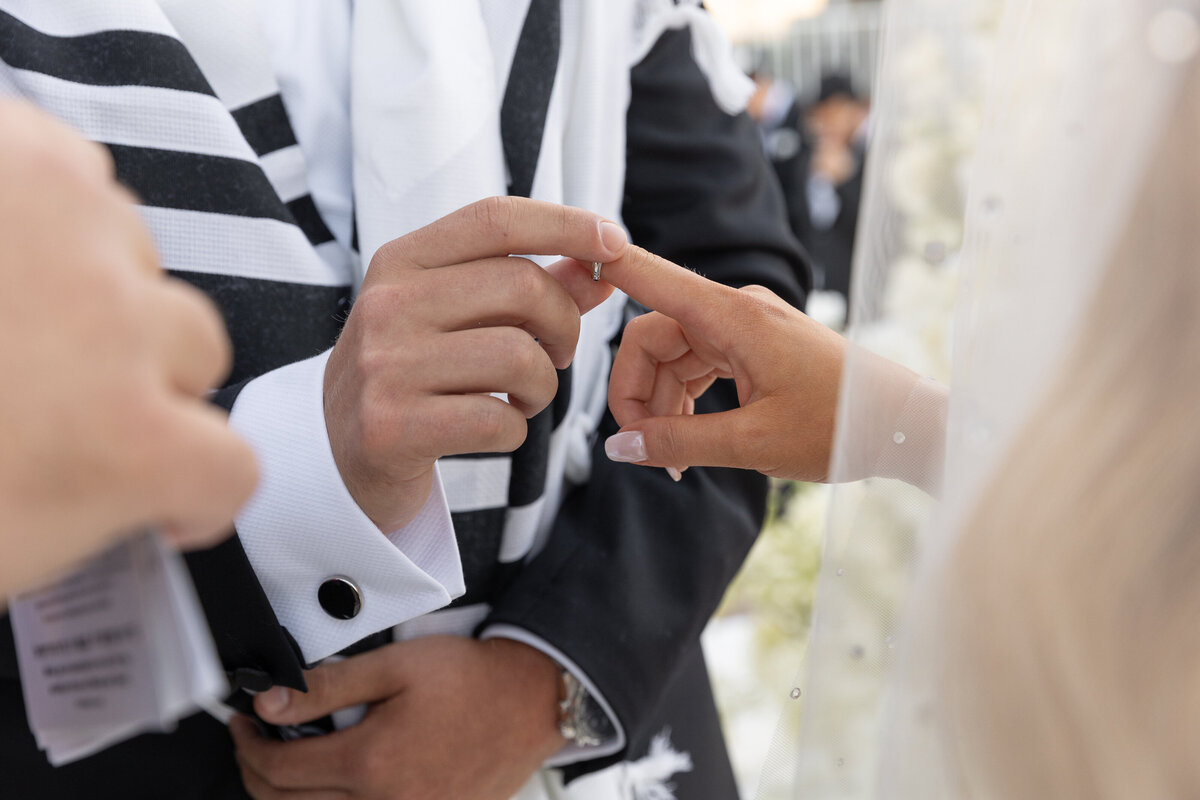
column 106, row 362
column 786, row 139
column 839, row 124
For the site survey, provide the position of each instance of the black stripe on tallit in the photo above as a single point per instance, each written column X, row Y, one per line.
column 265, row 125
column 304, row 211
column 267, row 129
column 105, row 58
column 479, row 536
column 273, row 323
column 212, row 184
column 197, row 182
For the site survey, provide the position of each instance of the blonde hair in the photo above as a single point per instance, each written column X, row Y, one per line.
column 1072, row 599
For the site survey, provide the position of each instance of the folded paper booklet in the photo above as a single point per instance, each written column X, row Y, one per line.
column 116, row 649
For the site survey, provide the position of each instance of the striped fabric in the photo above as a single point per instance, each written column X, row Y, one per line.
column 208, row 148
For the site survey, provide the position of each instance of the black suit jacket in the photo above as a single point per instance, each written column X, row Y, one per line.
column 636, row 564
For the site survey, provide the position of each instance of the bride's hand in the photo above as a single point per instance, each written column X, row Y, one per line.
column 786, row 366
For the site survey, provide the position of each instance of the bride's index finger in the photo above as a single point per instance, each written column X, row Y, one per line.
column 677, row 292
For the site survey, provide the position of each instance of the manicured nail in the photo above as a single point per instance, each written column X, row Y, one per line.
column 613, row 236
column 675, row 474
column 274, row 700
column 628, row 447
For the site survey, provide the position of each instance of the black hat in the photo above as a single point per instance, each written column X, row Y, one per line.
column 836, row 85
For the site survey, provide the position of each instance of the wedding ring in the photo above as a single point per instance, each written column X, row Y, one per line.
column 596, row 266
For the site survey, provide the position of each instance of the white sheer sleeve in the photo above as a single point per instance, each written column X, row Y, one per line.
column 901, row 419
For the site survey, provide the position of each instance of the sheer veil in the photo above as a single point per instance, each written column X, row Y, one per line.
column 1032, row 167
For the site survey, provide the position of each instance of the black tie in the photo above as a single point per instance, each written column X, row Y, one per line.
column 527, row 98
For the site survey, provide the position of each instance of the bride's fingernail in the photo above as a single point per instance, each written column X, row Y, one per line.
column 628, row 447
column 675, row 474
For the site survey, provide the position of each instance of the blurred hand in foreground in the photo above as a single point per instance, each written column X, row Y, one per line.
column 106, row 363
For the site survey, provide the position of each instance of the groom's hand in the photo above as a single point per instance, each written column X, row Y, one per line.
column 449, row 718
column 444, row 319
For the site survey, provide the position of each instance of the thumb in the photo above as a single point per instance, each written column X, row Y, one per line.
column 366, row 678
column 704, row 440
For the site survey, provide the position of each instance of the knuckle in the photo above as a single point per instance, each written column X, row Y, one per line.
column 760, row 299
column 501, row 425
column 527, row 280
column 669, row 446
column 520, row 355
column 752, row 430
column 760, row 306
column 375, row 302
column 392, row 252
column 642, row 258
column 372, row 360
column 496, row 215
column 566, row 216
column 487, row 419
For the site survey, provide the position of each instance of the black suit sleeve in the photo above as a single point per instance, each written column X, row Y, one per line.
column 636, row 564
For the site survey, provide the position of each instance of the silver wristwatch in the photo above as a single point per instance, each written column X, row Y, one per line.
column 580, row 718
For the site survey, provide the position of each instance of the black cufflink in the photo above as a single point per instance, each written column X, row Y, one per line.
column 340, row 598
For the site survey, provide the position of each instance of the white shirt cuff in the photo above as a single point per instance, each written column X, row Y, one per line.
column 571, row 753
column 303, row 527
